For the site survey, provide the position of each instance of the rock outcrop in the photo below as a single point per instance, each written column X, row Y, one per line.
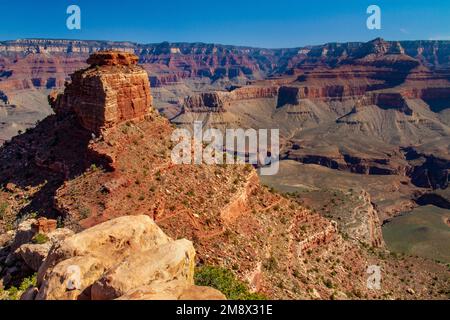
column 128, row 257
column 111, row 91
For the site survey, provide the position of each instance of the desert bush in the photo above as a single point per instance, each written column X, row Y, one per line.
column 3, row 208
column 40, row 238
column 224, row 280
column 14, row 293
column 271, row 264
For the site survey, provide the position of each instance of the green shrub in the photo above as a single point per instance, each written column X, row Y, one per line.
column 39, row 239
column 84, row 212
column 271, row 264
column 225, row 281
column 10, row 294
column 28, row 282
column 14, row 293
column 328, row 283
column 3, row 208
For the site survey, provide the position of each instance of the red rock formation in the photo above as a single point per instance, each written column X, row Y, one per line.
column 111, row 58
column 113, row 90
column 44, row 225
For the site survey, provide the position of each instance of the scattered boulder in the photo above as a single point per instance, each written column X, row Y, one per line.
column 110, row 242
column 97, row 249
column 34, row 254
column 71, row 279
column 10, row 187
column 158, row 290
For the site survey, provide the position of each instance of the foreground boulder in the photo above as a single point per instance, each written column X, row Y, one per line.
column 173, row 260
column 129, row 257
column 97, row 248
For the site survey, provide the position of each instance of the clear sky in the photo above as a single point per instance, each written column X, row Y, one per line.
column 261, row 23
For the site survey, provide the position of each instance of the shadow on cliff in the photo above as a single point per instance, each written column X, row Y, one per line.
column 39, row 161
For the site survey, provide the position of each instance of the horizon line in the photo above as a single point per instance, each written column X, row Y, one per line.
column 220, row 44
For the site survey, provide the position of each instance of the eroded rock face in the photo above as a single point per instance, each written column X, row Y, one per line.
column 111, row 91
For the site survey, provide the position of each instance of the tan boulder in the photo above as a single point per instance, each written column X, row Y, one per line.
column 173, row 260
column 201, row 293
column 71, row 279
column 127, row 258
column 158, row 290
column 173, row 290
column 110, row 242
column 93, row 251
column 34, row 254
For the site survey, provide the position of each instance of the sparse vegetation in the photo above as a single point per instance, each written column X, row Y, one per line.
column 225, row 281
column 14, row 293
column 84, row 212
column 40, row 239
column 3, row 209
column 271, row 264
column 328, row 283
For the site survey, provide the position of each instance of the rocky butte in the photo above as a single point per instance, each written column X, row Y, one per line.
column 112, row 90
column 121, row 202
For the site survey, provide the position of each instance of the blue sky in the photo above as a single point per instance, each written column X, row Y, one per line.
column 261, row 23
